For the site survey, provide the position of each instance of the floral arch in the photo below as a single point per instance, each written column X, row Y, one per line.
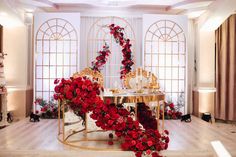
column 98, row 35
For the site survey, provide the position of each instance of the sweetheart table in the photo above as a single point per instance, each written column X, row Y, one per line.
column 127, row 96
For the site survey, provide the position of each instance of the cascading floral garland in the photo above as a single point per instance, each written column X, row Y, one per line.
column 101, row 59
column 145, row 117
column 118, row 33
column 82, row 95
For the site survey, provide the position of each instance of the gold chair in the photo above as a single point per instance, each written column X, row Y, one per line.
column 141, row 78
column 91, row 74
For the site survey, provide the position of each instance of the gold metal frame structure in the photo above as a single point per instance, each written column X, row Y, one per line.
column 56, row 49
column 98, row 34
column 166, row 32
column 78, row 143
column 64, row 137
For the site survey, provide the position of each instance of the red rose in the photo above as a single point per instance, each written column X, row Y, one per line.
column 84, row 87
column 98, row 123
column 166, row 146
column 134, row 134
column 125, row 146
column 139, row 146
column 110, row 142
column 167, row 139
column 90, row 88
column 171, row 105
column 108, row 101
column 133, row 142
column 148, row 151
column 155, row 154
column 56, row 81
column 69, row 95
column 118, row 134
column 166, row 132
column 107, row 116
column 138, row 154
column 93, row 116
column 120, row 120
column 110, row 122
column 57, row 89
column 55, row 96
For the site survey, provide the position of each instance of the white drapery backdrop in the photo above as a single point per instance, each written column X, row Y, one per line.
column 92, row 38
column 136, row 24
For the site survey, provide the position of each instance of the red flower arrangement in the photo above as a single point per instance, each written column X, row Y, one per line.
column 82, row 95
column 127, row 62
column 171, row 112
column 48, row 109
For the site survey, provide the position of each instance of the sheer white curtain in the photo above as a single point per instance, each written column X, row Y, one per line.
column 94, row 35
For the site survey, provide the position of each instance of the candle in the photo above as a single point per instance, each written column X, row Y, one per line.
column 148, row 74
column 141, row 75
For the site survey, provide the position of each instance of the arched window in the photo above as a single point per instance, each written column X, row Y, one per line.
column 56, row 55
column 97, row 36
column 164, row 55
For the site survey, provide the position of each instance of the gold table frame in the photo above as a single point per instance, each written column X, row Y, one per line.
column 116, row 98
column 138, row 98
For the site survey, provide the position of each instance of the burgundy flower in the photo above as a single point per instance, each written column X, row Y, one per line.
column 138, row 154
column 171, row 105
column 166, row 132
column 155, row 154
column 56, row 81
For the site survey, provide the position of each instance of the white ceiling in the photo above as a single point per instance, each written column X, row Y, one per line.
column 119, row 2
column 192, row 8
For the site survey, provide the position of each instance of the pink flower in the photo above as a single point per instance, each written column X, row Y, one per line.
column 148, row 151
column 150, row 143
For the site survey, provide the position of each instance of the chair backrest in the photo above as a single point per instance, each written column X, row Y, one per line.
column 91, row 74
column 148, row 79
